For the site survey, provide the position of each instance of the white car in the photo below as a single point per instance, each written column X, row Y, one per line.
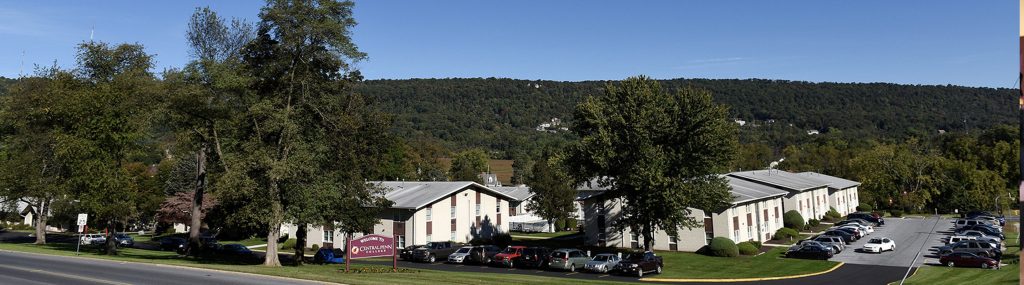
column 88, row 239
column 981, row 236
column 865, row 230
column 460, row 255
column 879, row 245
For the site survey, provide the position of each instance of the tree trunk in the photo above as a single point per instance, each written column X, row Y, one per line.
column 111, row 242
column 648, row 238
column 40, row 220
column 276, row 216
column 300, row 243
column 194, row 243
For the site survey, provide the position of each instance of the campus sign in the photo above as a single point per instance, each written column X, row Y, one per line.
column 372, row 246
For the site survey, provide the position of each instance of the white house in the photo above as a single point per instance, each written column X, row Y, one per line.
column 426, row 211
column 519, row 215
column 807, row 196
column 755, row 213
column 842, row 193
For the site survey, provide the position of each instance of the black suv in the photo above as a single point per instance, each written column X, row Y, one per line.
column 534, row 257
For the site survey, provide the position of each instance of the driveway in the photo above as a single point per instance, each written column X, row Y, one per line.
column 913, row 237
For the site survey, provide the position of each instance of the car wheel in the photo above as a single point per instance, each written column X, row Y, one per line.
column 572, row 268
column 640, row 272
column 984, row 266
column 432, row 259
column 488, row 260
column 658, row 269
column 950, row 264
column 511, row 264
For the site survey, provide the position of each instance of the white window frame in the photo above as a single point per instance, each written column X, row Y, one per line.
column 429, row 238
column 453, row 236
column 328, row 236
column 452, row 212
column 401, row 241
column 429, row 214
column 478, row 210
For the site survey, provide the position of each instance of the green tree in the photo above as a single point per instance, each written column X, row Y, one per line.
column 467, row 165
column 199, row 98
column 661, row 153
column 554, row 195
column 306, row 141
column 904, row 176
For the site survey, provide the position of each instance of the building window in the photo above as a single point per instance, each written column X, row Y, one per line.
column 708, row 237
column 401, row 241
column 428, row 215
column 397, row 217
column 477, row 209
column 329, row 236
column 497, row 209
column 453, row 236
column 673, row 243
column 453, row 212
column 429, row 239
column 635, row 241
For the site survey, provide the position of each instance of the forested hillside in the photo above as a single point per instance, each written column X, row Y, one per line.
column 501, row 114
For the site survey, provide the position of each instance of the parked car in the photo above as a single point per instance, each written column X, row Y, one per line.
column 234, row 249
column 811, row 250
column 980, row 248
column 534, row 257
column 173, row 243
column 879, row 245
column 987, row 230
column 847, row 236
column 978, row 235
column 434, row 251
column 460, row 255
column 963, row 223
column 640, row 263
column 956, row 239
column 990, row 220
column 406, row 253
column 862, row 224
column 567, row 259
column 509, row 256
column 975, row 214
column 852, row 229
column 812, row 243
column 968, row 259
column 871, row 217
column 88, row 239
column 837, row 243
column 124, row 240
column 602, row 263
column 482, row 254
column 329, row 256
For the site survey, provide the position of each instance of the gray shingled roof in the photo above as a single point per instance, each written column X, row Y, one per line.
column 746, row 191
column 833, row 182
column 779, row 178
column 519, row 193
column 418, row 194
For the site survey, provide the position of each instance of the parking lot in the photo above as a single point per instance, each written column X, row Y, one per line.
column 913, row 236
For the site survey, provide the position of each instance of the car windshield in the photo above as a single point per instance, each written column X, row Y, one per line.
column 635, row 256
column 558, row 254
column 529, row 251
column 875, row 240
column 601, row 258
column 510, row 250
column 463, row 250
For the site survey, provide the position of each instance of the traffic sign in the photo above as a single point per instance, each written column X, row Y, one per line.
column 82, row 219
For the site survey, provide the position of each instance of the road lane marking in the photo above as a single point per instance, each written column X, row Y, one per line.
column 571, row 273
column 62, row 275
column 603, row 276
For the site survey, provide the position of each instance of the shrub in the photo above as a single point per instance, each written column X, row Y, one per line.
column 745, row 248
column 833, row 214
column 499, row 239
column 560, row 225
column 756, row 244
column 723, row 247
column 785, row 234
column 793, row 220
column 863, row 207
column 315, row 248
column 896, row 213
column 288, row 244
column 813, row 223
column 571, row 224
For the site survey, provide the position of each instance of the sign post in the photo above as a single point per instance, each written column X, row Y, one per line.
column 348, row 250
column 82, row 221
column 371, row 246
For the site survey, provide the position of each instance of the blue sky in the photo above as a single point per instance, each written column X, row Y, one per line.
column 971, row 43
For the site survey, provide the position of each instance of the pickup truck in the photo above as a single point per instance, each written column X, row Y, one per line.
column 435, row 251
column 639, row 263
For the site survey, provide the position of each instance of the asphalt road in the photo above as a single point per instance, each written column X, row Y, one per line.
column 25, row 268
column 913, row 238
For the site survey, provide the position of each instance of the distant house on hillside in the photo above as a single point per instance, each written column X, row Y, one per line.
column 812, row 132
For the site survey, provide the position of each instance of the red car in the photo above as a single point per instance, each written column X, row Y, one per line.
column 968, row 259
column 509, row 256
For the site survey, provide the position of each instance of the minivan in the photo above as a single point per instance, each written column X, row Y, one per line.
column 962, row 223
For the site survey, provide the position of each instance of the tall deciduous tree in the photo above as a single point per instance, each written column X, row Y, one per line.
column 201, row 99
column 305, row 141
column 554, row 195
column 661, row 153
column 468, row 164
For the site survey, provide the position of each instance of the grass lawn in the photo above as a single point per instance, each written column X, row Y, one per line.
column 770, row 264
column 1009, row 274
column 328, row 273
column 790, row 242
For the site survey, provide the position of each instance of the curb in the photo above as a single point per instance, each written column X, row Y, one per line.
column 742, row 279
column 181, row 267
